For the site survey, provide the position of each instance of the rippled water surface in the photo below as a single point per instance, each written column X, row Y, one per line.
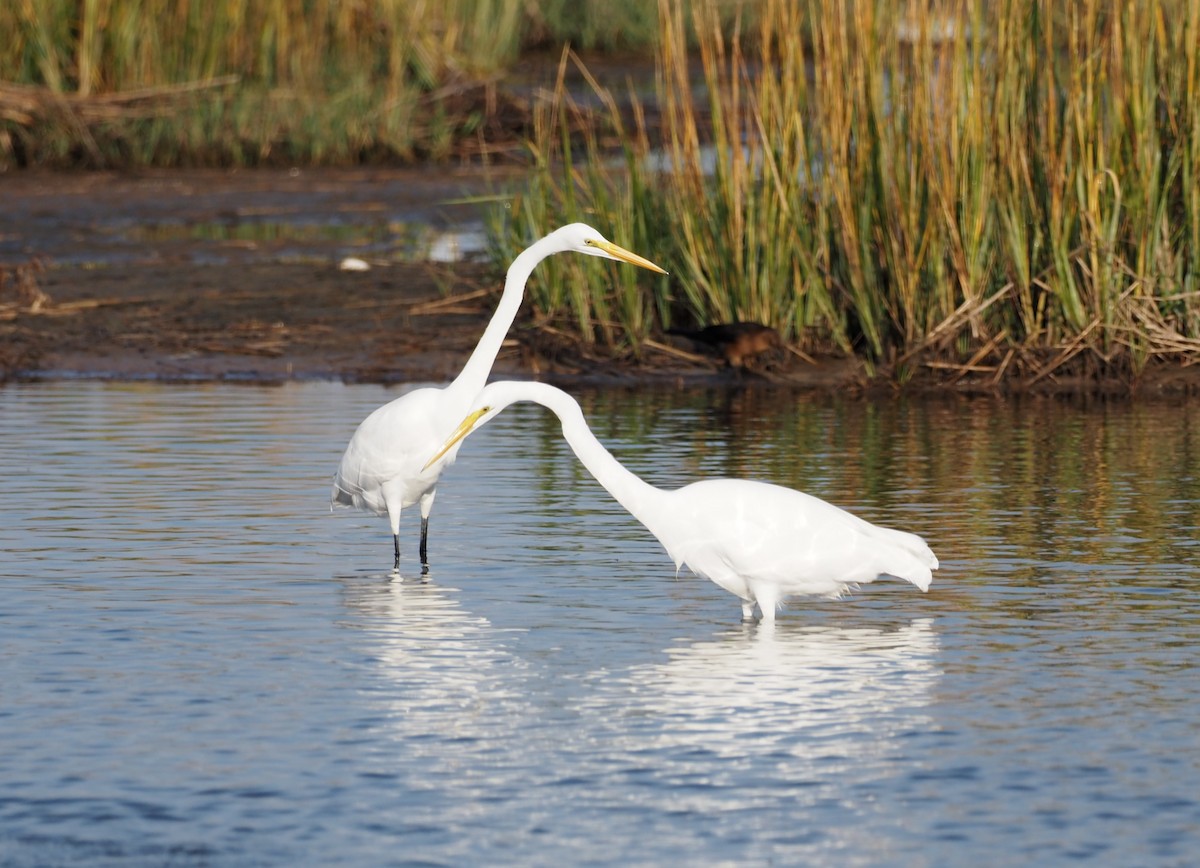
column 200, row 665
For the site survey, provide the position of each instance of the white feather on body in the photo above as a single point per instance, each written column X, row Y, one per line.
column 385, row 458
column 759, row 541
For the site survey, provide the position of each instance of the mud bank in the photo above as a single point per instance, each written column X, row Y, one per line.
column 271, row 322
column 193, row 275
column 210, row 275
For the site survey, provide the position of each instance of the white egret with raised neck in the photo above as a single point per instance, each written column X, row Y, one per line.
column 384, row 469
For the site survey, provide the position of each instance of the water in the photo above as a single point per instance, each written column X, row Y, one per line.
column 199, row 665
column 229, row 218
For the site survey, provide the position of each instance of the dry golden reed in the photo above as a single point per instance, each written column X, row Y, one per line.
column 989, row 188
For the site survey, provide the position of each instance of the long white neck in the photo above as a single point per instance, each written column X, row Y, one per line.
column 629, row 489
column 475, row 373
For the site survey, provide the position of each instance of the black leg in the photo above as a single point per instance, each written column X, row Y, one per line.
column 396, row 545
column 425, row 541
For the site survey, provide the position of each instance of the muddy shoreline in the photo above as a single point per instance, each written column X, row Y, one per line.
column 234, row 275
column 132, row 287
column 273, row 322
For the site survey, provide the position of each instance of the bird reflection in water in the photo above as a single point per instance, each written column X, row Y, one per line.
column 809, row 692
column 424, row 642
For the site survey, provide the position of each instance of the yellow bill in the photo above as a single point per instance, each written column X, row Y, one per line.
column 624, row 255
column 460, row 432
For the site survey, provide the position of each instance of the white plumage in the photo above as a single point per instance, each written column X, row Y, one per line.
column 384, row 468
column 762, row 542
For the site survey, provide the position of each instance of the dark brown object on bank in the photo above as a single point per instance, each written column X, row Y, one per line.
column 740, row 344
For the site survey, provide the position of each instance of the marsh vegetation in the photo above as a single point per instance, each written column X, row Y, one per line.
column 986, row 192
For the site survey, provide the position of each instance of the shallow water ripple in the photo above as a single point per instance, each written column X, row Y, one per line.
column 200, row 665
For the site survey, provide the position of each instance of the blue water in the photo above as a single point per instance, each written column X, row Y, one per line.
column 200, row 665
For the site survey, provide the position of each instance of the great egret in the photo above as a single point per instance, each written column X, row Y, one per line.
column 762, row 542
column 384, row 467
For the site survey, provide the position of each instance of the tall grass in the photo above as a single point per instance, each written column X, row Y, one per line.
column 621, row 25
column 313, row 81
column 996, row 187
column 575, row 178
column 317, row 81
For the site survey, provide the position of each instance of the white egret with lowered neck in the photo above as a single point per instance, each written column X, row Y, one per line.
column 762, row 542
column 384, row 468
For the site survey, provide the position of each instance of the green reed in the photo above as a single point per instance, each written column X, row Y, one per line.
column 317, row 80
column 301, row 80
column 572, row 180
column 998, row 186
column 320, row 81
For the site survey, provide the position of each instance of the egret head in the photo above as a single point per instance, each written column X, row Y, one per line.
column 497, row 396
column 581, row 238
column 469, row 424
